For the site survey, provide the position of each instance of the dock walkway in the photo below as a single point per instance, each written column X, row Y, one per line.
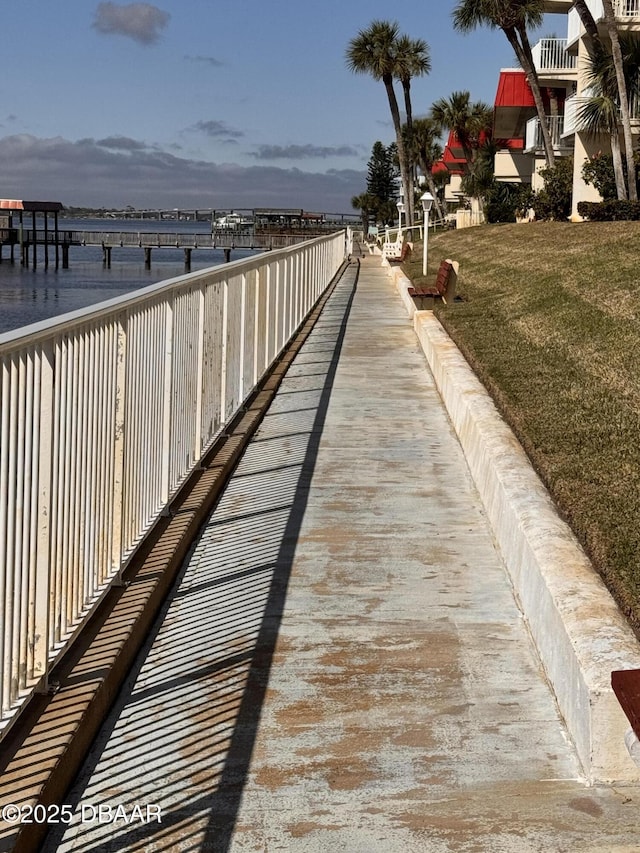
column 342, row 665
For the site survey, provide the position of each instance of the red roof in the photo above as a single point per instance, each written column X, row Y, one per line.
column 452, row 161
column 438, row 167
column 513, row 90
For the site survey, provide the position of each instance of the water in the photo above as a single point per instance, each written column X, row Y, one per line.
column 29, row 296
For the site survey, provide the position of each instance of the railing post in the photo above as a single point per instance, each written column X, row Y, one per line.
column 224, row 344
column 42, row 592
column 256, row 323
column 120, row 403
column 166, row 401
column 243, row 335
column 9, row 686
column 197, row 438
column 276, row 309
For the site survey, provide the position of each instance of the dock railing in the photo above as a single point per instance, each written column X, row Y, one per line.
column 104, row 413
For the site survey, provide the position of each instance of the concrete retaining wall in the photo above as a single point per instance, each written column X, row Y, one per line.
column 579, row 631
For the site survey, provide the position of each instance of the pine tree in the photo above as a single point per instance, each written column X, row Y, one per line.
column 382, row 173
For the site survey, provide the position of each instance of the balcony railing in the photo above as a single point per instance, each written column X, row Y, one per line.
column 624, row 10
column 533, row 138
column 571, row 115
column 550, row 56
column 572, row 110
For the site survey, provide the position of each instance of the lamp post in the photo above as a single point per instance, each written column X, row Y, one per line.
column 426, row 200
column 400, row 206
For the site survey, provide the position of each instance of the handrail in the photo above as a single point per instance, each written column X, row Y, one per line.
column 104, row 412
column 550, row 54
column 201, row 240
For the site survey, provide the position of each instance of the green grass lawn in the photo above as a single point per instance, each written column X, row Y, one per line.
column 550, row 324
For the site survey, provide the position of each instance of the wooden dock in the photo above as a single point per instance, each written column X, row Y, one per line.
column 60, row 240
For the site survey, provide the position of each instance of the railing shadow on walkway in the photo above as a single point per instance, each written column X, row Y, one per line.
column 192, row 716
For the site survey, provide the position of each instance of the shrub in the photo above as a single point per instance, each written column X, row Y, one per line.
column 610, row 210
column 553, row 201
column 504, row 201
column 598, row 171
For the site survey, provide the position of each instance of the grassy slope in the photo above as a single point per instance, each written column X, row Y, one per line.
column 550, row 323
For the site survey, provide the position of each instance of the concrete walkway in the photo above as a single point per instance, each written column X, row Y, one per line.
column 342, row 666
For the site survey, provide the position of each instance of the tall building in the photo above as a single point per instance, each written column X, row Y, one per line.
column 562, row 65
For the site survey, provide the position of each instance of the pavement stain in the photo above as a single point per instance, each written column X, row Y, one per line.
column 302, row 828
column 426, row 650
column 586, row 805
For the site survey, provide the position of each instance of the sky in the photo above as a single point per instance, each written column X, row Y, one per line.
column 212, row 103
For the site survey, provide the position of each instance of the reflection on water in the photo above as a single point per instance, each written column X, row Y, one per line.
column 29, row 296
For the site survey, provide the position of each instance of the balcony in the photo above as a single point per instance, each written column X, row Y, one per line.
column 553, row 61
column 571, row 116
column 572, row 105
column 533, row 138
column 626, row 8
column 626, row 11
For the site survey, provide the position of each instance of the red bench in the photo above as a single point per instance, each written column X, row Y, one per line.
column 626, row 686
column 444, row 288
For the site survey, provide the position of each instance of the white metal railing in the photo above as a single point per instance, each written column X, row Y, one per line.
column 572, row 122
column 103, row 415
column 623, row 10
column 533, row 133
column 550, row 55
column 162, row 239
column 626, row 8
column 571, row 115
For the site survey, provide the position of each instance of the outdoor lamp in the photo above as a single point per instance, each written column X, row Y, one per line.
column 400, row 206
column 427, row 201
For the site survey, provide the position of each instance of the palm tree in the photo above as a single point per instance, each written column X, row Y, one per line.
column 616, row 52
column 427, row 151
column 481, row 176
column 601, row 112
column 374, row 51
column 412, row 60
column 366, row 204
column 598, row 114
column 512, row 17
column 466, row 119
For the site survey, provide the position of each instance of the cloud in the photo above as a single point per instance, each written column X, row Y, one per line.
column 206, row 60
column 216, row 129
column 121, row 143
column 87, row 173
column 303, row 152
column 140, row 21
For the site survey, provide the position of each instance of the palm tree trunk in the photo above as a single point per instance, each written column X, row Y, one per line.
column 387, row 79
column 434, row 192
column 522, row 50
column 586, row 18
column 616, row 52
column 406, row 88
column 432, row 189
column 618, row 171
